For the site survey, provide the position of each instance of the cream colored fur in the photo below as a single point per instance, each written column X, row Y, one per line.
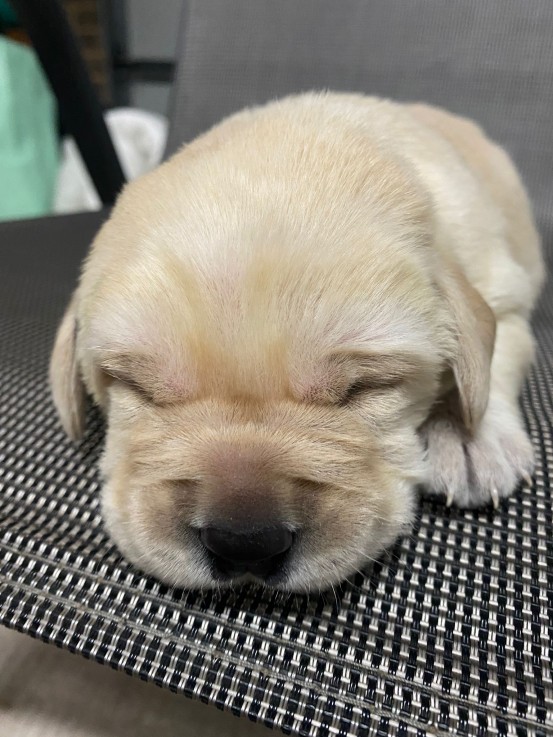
column 295, row 316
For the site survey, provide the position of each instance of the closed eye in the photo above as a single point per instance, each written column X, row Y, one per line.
column 365, row 385
column 129, row 383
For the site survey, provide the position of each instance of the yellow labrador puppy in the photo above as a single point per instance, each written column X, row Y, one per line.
column 307, row 313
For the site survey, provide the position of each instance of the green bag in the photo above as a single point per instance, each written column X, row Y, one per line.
column 29, row 146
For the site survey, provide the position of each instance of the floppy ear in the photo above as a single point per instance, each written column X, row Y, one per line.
column 65, row 379
column 474, row 323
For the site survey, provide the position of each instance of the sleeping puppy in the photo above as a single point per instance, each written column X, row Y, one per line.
column 310, row 311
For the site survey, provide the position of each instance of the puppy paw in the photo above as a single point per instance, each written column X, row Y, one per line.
column 472, row 471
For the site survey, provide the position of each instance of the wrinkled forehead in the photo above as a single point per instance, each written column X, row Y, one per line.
column 260, row 321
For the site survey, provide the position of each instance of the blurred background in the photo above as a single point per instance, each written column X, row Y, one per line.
column 129, row 47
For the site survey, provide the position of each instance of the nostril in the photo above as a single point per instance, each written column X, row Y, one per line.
column 259, row 551
column 246, row 547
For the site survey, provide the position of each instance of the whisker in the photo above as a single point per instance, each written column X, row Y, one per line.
column 367, row 557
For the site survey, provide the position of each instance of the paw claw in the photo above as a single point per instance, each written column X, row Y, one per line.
column 488, row 466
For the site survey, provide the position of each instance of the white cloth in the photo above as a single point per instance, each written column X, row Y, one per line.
column 139, row 138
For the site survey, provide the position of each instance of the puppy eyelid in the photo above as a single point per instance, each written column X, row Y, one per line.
column 368, row 384
column 137, row 389
column 130, row 384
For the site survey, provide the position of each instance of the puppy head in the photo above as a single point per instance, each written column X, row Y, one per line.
column 264, row 364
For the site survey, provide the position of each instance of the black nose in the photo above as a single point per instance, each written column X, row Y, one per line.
column 260, row 552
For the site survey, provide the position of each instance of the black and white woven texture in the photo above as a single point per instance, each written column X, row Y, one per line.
column 451, row 632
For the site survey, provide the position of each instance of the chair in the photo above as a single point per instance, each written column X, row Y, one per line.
column 448, row 634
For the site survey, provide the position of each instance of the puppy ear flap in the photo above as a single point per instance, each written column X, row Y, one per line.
column 474, row 323
column 65, row 380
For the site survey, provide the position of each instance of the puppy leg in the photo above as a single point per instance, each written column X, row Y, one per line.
column 471, row 471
